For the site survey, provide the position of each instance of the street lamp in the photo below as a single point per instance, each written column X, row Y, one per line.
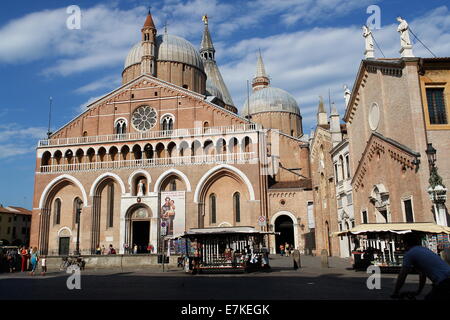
column 78, row 219
column 431, row 154
column 436, row 190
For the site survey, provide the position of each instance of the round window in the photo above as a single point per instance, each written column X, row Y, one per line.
column 144, row 118
column 374, row 117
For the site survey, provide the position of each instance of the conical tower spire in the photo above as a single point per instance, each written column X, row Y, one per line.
column 148, row 44
column 215, row 80
column 261, row 79
column 149, row 21
column 207, row 48
column 321, row 113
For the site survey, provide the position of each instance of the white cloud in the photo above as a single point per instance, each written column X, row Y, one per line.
column 82, row 107
column 24, row 139
column 108, row 82
column 310, row 63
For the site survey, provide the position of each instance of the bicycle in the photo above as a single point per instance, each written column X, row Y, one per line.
column 69, row 261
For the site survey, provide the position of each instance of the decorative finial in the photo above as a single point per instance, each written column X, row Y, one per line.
column 205, row 19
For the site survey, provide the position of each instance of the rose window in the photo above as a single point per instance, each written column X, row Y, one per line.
column 144, row 118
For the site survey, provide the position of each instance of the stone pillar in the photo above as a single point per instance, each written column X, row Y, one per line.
column 324, row 258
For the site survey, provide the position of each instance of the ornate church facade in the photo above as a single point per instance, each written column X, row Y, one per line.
column 169, row 144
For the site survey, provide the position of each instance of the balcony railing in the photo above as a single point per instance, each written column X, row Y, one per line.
column 229, row 158
column 177, row 133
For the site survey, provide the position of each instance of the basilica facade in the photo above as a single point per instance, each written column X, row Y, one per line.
column 170, row 145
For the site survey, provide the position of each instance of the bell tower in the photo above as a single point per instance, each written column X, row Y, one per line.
column 148, row 45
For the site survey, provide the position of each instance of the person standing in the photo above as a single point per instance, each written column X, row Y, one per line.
column 98, row 250
column 34, row 260
column 287, row 248
column 135, row 249
column 24, row 256
column 103, row 249
column 281, row 249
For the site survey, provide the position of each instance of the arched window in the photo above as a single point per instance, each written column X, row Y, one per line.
column 173, row 185
column 237, row 206
column 57, row 211
column 167, row 123
column 121, row 126
column 110, row 206
column 341, row 163
column 77, row 203
column 212, row 208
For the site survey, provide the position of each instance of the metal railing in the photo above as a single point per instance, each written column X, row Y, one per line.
column 244, row 157
column 177, row 133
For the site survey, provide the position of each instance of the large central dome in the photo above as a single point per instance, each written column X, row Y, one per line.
column 270, row 99
column 168, row 48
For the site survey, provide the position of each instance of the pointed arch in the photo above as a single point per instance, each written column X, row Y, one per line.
column 167, row 173
column 212, row 171
column 102, row 177
column 57, row 180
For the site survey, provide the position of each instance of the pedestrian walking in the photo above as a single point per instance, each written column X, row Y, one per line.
column 11, row 260
column 34, row 260
column 43, row 265
column 125, row 248
column 103, row 249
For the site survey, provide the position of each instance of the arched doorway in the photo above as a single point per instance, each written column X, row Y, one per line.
column 285, row 226
column 138, row 228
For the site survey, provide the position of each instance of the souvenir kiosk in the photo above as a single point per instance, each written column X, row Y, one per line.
column 381, row 244
column 227, row 248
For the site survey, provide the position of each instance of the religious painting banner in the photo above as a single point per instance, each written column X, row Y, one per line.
column 172, row 211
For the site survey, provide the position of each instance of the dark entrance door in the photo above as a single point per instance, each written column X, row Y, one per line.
column 64, row 243
column 141, row 235
column 285, row 226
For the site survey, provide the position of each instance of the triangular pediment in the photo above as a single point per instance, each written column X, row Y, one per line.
column 391, row 150
column 147, row 81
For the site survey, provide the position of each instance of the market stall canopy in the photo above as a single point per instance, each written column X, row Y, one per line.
column 427, row 227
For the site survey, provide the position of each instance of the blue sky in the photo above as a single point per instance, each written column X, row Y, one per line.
column 309, row 47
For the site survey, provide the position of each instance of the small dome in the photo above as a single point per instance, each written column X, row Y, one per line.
column 168, row 48
column 212, row 90
column 134, row 55
column 270, row 99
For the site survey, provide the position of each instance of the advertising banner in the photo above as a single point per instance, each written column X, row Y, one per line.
column 172, row 213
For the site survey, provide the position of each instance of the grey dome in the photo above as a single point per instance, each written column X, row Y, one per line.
column 270, row 99
column 168, row 48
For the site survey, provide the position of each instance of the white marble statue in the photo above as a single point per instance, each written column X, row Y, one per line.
column 347, row 95
column 367, row 34
column 140, row 192
column 405, row 39
column 403, row 29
